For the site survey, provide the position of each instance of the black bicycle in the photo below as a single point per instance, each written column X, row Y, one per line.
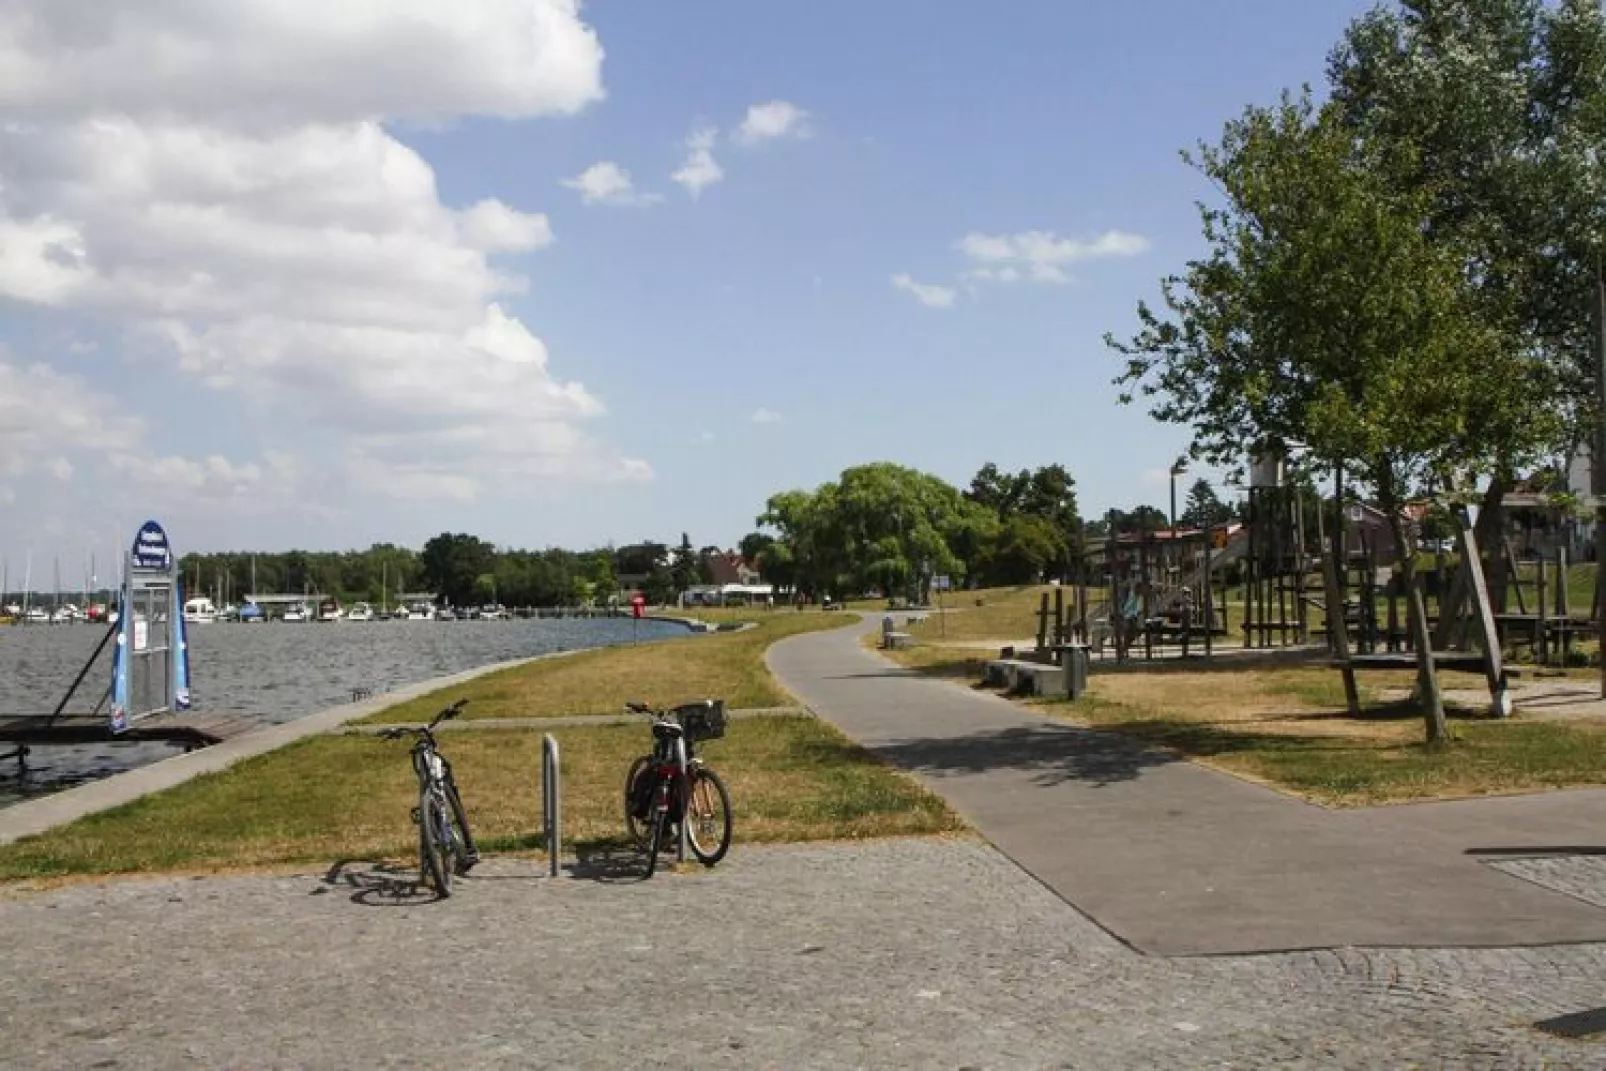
column 445, row 845
column 659, row 796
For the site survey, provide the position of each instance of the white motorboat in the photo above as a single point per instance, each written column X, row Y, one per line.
column 421, row 611
column 199, row 611
column 35, row 615
column 296, row 612
column 360, row 611
column 65, row 614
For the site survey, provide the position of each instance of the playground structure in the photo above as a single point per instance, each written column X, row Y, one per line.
column 1268, row 582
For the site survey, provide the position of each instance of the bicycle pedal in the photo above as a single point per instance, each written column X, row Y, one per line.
column 416, row 817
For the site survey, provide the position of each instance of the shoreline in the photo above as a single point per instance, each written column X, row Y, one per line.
column 41, row 813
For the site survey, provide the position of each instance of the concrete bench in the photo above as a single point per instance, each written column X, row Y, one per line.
column 894, row 641
column 1020, row 677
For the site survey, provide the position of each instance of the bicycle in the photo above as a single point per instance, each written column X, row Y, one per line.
column 445, row 844
column 658, row 797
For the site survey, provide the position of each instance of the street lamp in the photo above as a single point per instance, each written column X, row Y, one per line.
column 1177, row 469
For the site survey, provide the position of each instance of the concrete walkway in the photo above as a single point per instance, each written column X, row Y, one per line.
column 1176, row 859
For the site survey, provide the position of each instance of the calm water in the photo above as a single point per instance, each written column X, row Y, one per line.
column 276, row 672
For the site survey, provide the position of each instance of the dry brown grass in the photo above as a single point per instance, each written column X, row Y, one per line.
column 333, row 798
column 729, row 665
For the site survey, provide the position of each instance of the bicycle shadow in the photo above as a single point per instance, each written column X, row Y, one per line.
column 609, row 864
column 378, row 884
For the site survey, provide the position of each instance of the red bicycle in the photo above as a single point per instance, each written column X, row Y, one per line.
column 660, row 793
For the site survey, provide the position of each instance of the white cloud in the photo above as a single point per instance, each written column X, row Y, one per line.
column 928, row 294
column 218, row 182
column 44, row 413
column 773, row 119
column 700, row 169
column 605, row 182
column 274, row 62
column 1040, row 255
column 765, row 416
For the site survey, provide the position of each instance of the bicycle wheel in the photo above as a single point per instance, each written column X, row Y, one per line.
column 660, row 822
column 708, row 817
column 638, row 801
column 467, row 854
column 433, row 844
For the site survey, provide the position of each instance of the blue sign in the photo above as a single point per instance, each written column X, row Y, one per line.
column 151, row 549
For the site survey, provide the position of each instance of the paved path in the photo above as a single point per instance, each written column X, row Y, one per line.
column 1177, row 859
column 893, row 954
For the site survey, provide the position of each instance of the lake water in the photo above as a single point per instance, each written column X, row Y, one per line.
column 276, row 672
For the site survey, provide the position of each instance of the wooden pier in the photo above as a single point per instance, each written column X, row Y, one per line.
column 188, row 730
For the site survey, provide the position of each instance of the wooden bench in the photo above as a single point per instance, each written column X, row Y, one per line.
column 1020, row 677
column 895, row 641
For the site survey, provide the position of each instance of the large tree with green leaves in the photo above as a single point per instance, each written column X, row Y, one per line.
column 879, row 527
column 1326, row 313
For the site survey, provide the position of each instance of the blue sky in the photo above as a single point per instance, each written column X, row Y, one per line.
column 260, row 312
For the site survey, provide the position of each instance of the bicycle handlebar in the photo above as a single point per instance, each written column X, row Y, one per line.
column 412, row 730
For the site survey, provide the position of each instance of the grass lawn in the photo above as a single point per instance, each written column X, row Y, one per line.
column 1287, row 726
column 728, row 665
column 330, row 798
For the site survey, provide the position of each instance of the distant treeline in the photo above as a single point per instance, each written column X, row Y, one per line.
column 461, row 569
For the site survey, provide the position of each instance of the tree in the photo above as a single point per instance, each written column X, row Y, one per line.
column 684, row 566
column 1205, row 507
column 1326, row 313
column 453, row 564
column 880, row 527
column 1047, row 494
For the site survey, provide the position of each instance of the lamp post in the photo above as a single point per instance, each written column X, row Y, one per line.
column 1178, row 467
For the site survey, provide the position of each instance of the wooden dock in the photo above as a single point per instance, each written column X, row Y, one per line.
column 188, row 729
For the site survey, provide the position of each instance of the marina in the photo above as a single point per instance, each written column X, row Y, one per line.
column 252, row 677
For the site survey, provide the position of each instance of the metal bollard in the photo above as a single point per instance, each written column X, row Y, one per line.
column 685, row 802
column 551, row 803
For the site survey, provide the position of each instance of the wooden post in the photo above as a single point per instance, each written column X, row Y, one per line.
column 1059, row 615
column 1483, row 613
column 1042, row 622
column 1564, row 604
column 1337, row 634
column 1542, row 636
column 1209, row 592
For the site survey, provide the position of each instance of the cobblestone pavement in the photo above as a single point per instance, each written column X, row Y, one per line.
column 903, row 953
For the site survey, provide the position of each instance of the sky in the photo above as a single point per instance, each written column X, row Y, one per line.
column 286, row 273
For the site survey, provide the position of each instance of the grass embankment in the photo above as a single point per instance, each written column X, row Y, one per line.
column 1288, row 726
column 343, row 797
column 727, row 664
column 331, row 798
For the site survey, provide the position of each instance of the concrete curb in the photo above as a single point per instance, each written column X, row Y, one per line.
column 567, row 721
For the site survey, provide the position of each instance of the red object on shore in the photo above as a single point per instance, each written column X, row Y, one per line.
column 638, row 602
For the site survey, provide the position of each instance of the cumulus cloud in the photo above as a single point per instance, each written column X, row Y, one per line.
column 1041, row 256
column 700, row 169
column 46, row 414
column 241, row 209
column 773, row 119
column 928, row 294
column 605, row 182
column 273, row 62
column 765, row 416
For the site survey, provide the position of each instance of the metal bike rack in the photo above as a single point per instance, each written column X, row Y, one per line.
column 551, row 803
column 685, row 785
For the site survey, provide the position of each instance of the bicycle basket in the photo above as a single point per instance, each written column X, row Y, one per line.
column 703, row 720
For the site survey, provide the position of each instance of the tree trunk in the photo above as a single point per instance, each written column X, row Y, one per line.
column 1427, row 677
